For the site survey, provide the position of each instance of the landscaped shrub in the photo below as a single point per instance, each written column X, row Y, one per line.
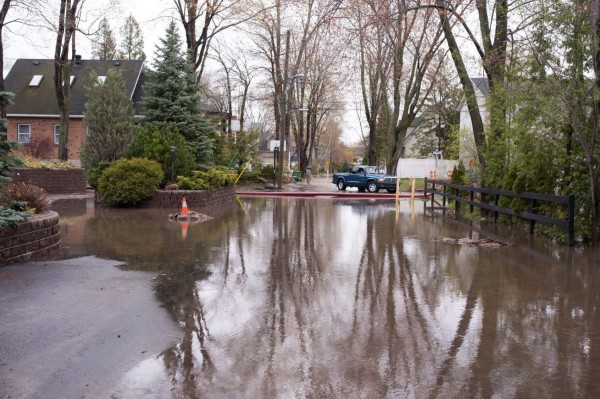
column 267, row 172
column 24, row 197
column 93, row 174
column 39, row 147
column 214, row 178
column 129, row 181
column 10, row 217
column 33, row 163
column 154, row 142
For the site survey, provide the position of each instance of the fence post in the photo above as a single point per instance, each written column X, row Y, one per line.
column 571, row 221
column 456, row 201
column 532, row 210
column 444, row 199
column 472, row 197
column 432, row 195
column 496, row 202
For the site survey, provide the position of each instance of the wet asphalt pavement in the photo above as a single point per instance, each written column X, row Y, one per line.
column 78, row 327
column 75, row 328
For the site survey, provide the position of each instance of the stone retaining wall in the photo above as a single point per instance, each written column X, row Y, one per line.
column 54, row 181
column 37, row 236
column 195, row 199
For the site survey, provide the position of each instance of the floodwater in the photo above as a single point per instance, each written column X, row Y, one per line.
column 321, row 298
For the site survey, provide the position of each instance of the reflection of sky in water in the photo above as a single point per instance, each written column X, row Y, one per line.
column 148, row 379
column 338, row 299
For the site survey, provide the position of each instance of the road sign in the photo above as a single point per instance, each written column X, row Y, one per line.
column 437, row 152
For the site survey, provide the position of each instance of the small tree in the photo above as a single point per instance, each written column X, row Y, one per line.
column 104, row 46
column 132, row 41
column 171, row 97
column 108, row 118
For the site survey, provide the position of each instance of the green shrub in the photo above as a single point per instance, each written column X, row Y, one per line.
column 93, row 174
column 214, row 178
column 10, row 217
column 129, row 181
column 459, row 174
column 267, row 172
column 24, row 197
column 154, row 142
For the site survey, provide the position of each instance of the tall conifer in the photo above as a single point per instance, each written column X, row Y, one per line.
column 171, row 97
column 108, row 118
column 132, row 41
column 104, row 46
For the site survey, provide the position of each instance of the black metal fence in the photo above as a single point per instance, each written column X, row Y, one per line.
column 454, row 191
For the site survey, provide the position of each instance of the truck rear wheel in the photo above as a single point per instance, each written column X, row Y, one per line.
column 341, row 185
column 372, row 187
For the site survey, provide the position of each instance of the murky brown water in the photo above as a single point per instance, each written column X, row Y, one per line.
column 329, row 298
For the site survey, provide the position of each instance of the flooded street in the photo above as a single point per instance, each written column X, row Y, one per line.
column 320, row 298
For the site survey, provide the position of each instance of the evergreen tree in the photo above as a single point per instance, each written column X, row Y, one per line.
column 132, row 41
column 104, row 46
column 109, row 120
column 171, row 97
column 7, row 158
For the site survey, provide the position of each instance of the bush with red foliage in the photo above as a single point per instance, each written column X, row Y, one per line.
column 39, row 147
column 24, row 197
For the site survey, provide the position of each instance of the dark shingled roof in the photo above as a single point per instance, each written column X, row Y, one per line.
column 41, row 100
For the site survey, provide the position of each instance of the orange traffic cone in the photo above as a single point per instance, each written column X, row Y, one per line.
column 184, row 228
column 184, row 208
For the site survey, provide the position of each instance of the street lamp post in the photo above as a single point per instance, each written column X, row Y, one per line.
column 173, row 163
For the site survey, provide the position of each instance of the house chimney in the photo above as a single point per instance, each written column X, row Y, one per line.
column 77, row 59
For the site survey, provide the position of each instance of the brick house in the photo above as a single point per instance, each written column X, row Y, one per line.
column 35, row 111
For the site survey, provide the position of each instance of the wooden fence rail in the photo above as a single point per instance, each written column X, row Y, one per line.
column 531, row 215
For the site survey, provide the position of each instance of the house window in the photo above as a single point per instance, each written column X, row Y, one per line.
column 24, row 133
column 36, row 80
column 56, row 134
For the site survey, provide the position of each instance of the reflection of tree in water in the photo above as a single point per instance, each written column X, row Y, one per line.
column 425, row 319
column 191, row 359
column 145, row 240
column 292, row 283
column 514, row 329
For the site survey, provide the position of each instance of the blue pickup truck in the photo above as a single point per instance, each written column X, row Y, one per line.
column 370, row 178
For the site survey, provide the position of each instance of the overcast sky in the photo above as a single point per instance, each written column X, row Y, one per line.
column 152, row 15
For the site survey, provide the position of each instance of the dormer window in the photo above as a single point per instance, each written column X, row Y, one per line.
column 36, row 80
column 72, row 80
column 101, row 79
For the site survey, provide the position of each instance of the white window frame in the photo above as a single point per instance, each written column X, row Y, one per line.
column 21, row 134
column 56, row 134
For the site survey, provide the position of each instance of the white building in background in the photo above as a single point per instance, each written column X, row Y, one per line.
column 467, row 149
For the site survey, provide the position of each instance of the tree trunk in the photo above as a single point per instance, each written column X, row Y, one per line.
column 65, row 42
column 467, row 85
column 3, row 12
